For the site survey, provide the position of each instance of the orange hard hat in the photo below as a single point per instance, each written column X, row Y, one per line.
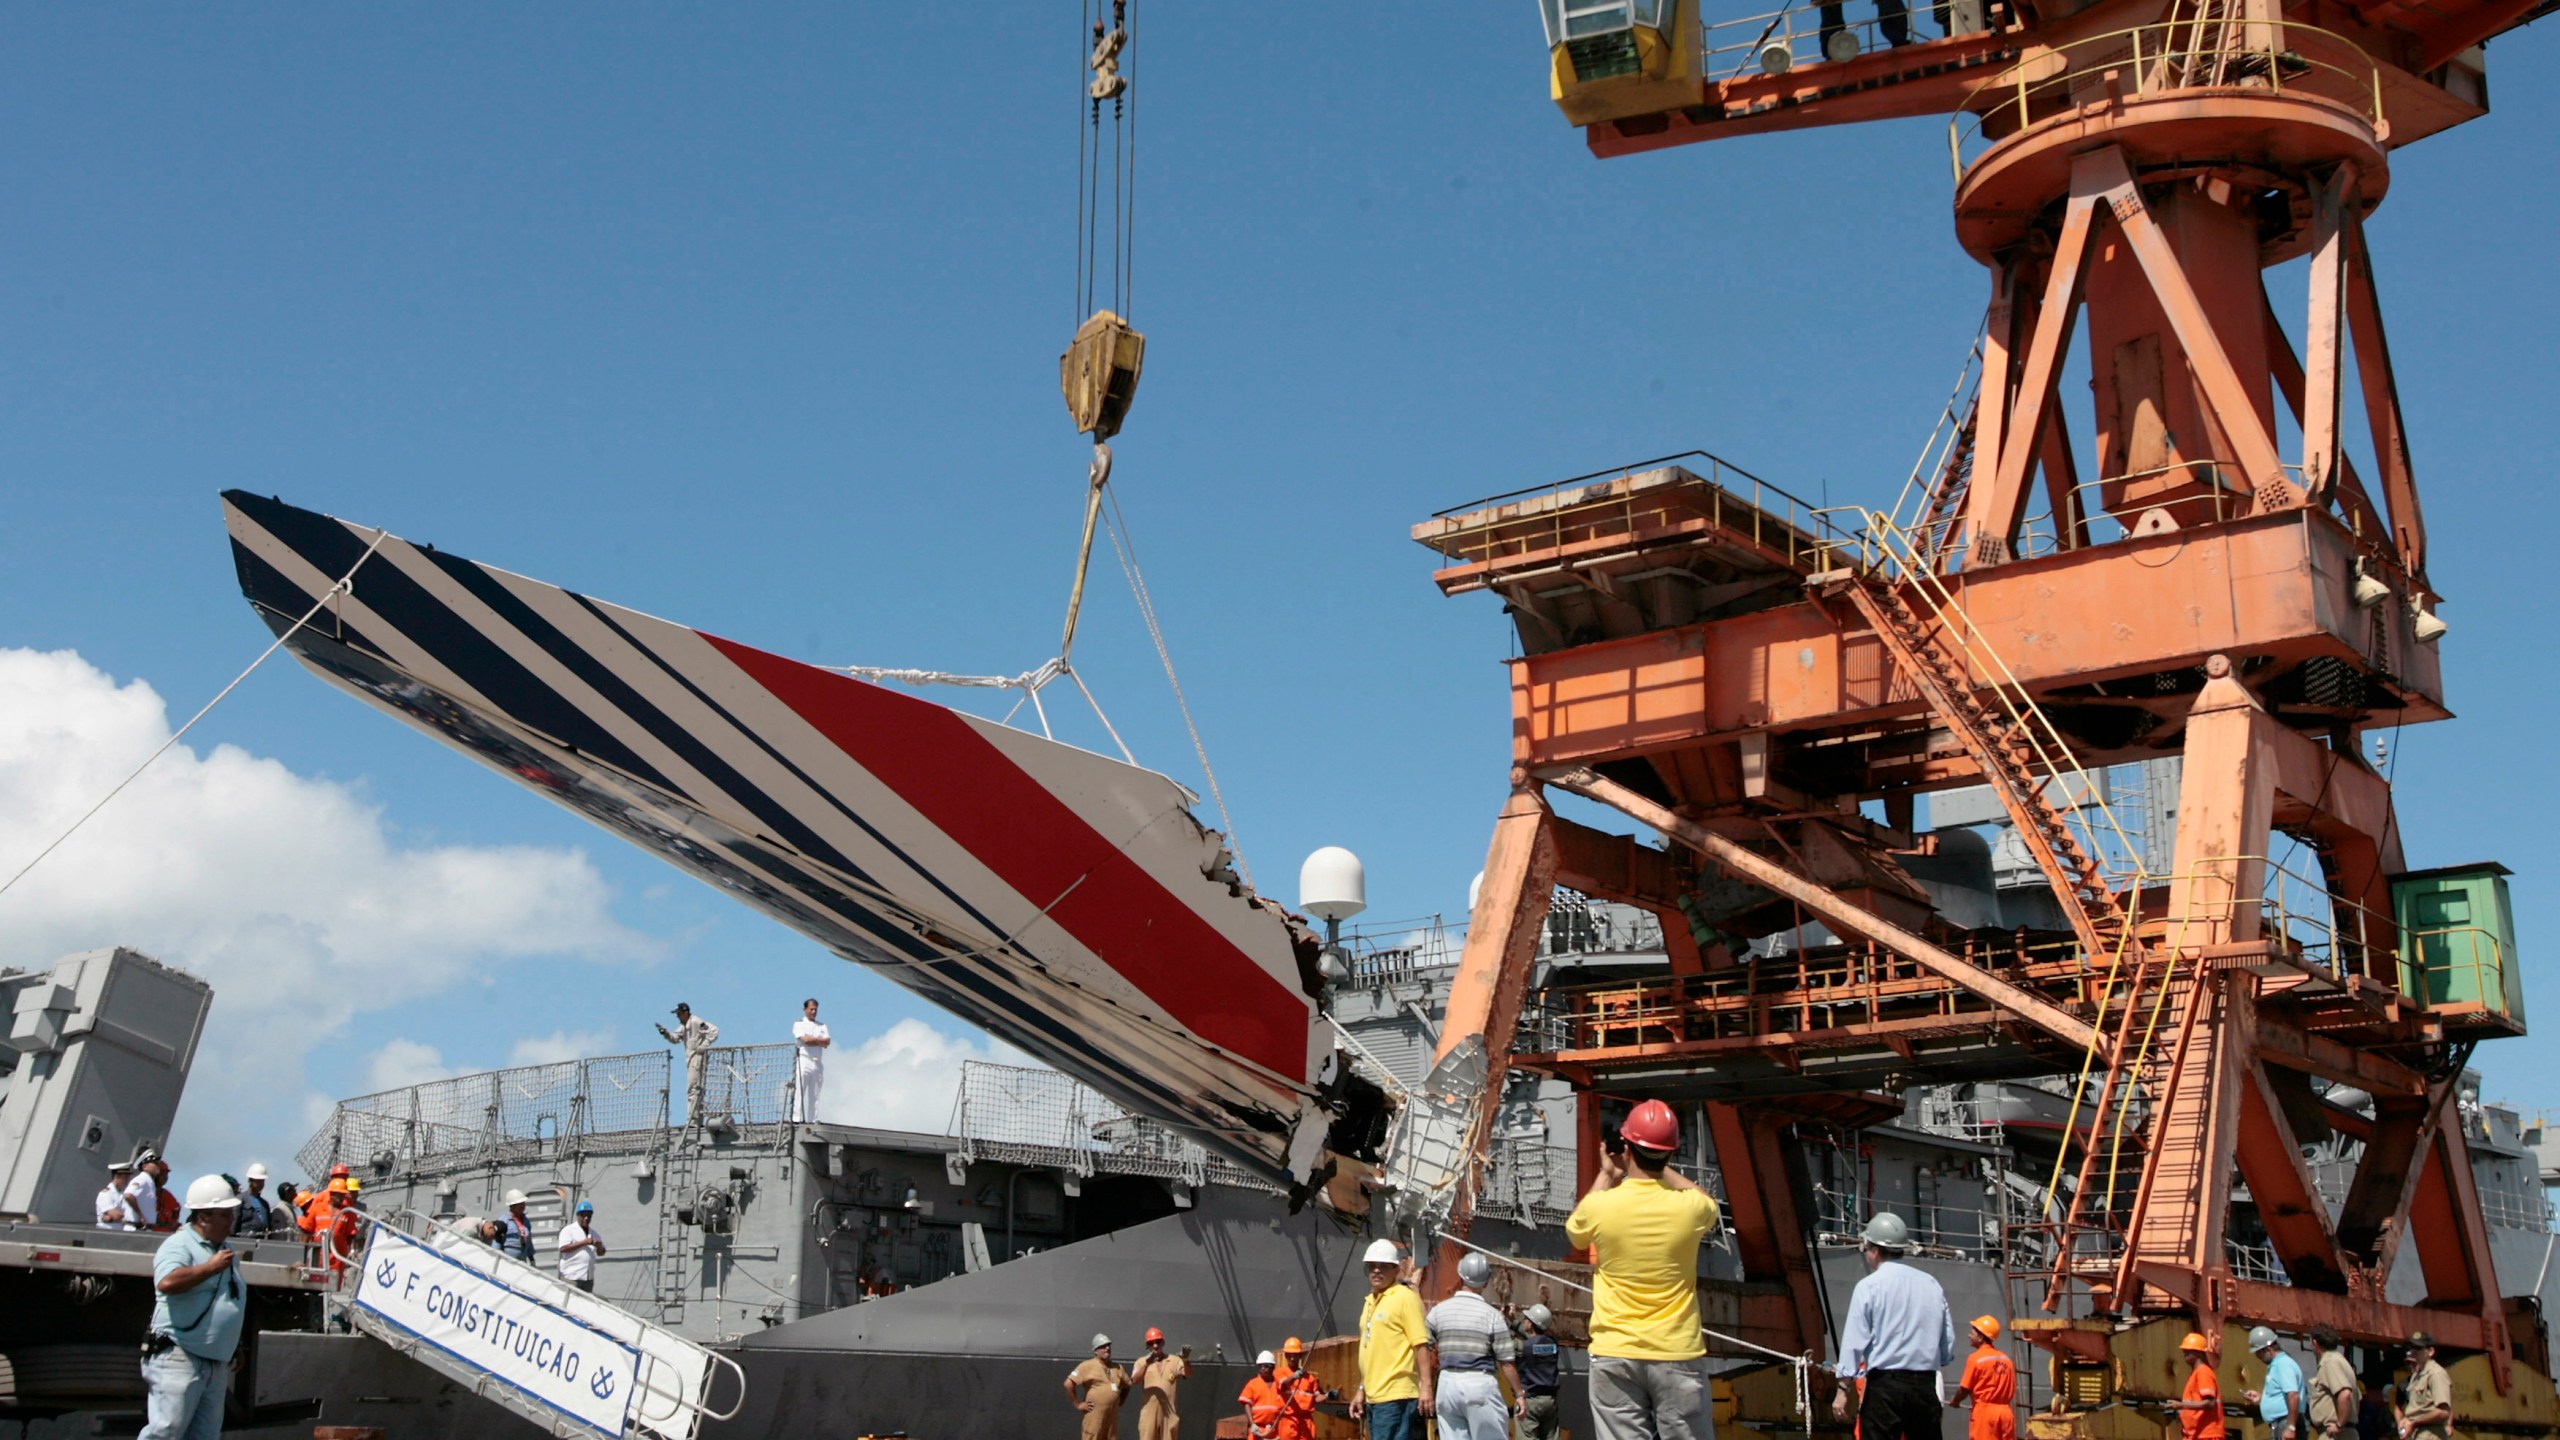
column 1988, row 1326
column 1652, row 1126
column 1293, row 1346
column 2196, row 1344
column 1154, row 1334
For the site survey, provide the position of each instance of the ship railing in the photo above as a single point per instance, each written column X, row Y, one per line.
column 1939, row 1110
column 1017, row 1115
column 2276, row 57
column 1938, row 1229
column 506, row 1116
column 1528, row 1180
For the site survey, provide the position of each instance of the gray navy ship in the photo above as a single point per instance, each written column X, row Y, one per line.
column 882, row 1282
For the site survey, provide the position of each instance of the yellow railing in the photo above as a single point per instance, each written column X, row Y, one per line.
column 2277, row 57
column 2467, row 949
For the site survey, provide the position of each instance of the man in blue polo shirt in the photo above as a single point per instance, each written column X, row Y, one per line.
column 2279, row 1396
column 196, row 1314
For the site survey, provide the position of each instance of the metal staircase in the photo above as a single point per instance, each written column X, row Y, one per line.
column 2010, row 740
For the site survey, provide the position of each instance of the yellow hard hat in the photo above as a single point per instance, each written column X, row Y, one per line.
column 1988, row 1326
column 2196, row 1344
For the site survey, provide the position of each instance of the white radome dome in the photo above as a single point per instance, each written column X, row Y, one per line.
column 1332, row 885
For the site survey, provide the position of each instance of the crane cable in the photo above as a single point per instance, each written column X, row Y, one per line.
column 1112, row 31
column 1110, row 28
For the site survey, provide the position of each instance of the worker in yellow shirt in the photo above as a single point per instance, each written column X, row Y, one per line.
column 1391, row 1328
column 1643, row 1222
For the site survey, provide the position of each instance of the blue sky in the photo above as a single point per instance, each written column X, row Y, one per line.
column 751, row 320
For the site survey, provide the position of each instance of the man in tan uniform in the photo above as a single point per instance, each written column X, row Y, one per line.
column 1155, row 1376
column 2335, row 1391
column 2426, row 1409
column 1095, row 1387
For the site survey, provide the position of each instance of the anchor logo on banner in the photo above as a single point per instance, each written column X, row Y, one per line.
column 385, row 1273
column 602, row 1384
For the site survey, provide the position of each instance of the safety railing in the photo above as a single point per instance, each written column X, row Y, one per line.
column 1543, row 518
column 2275, row 57
column 1939, row 1229
column 1018, row 1115
column 1948, row 445
column 1775, row 42
column 495, row 1115
column 671, row 1386
column 1802, row 993
column 2462, row 961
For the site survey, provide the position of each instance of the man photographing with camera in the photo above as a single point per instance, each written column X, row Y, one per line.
column 1643, row 1222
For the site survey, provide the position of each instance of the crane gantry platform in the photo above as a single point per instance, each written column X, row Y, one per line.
column 1770, row 685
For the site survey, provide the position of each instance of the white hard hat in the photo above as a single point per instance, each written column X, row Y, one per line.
column 1383, row 1252
column 1474, row 1271
column 211, row 1192
column 1266, row 1358
column 515, row 1198
column 257, row 1170
column 1887, row 1232
column 1100, row 1340
column 1540, row 1316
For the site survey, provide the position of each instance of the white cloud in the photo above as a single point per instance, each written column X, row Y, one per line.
column 904, row 1078
column 401, row 1063
column 290, row 894
column 561, row 1045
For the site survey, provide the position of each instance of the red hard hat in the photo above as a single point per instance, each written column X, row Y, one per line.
column 339, row 1172
column 1154, row 1334
column 1652, row 1126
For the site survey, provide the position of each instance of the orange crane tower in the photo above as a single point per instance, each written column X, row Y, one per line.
column 1769, row 685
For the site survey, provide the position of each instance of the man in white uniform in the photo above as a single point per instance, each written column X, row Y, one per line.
column 579, row 1247
column 142, row 1192
column 111, row 1212
column 809, row 1067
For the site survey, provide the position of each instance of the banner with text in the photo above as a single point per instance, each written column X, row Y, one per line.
column 482, row 1323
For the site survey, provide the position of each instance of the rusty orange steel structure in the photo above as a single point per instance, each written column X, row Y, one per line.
column 1769, row 686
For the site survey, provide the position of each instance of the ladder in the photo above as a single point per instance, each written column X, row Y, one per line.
column 675, row 1238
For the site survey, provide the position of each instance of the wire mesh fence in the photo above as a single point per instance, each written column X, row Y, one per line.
column 497, row 1115
column 749, row 1084
column 1020, row 1116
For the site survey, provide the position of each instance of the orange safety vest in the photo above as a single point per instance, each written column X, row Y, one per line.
column 1991, row 1378
column 1299, row 1392
column 1263, row 1407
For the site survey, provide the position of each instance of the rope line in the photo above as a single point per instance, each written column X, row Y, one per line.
column 345, row 586
column 1127, row 551
column 1804, row 1365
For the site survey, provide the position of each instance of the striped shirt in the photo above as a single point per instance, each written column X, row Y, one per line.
column 1468, row 1334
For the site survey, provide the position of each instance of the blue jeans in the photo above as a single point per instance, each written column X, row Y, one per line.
column 1395, row 1420
column 183, row 1396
